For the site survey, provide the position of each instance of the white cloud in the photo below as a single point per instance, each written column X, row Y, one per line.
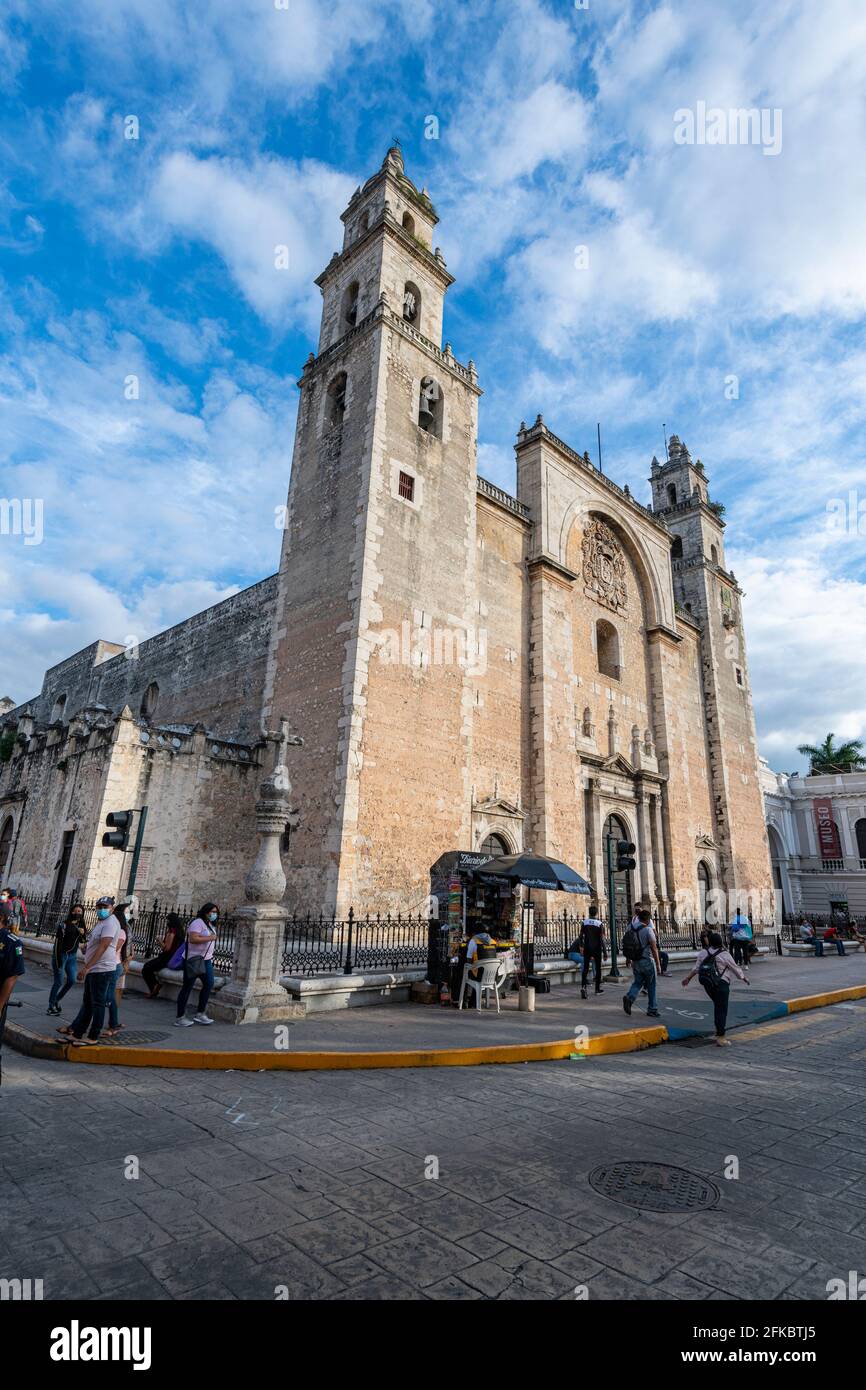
column 248, row 213
column 148, row 504
column 806, row 638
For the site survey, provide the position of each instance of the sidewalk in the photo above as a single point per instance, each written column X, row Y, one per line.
column 420, row 1035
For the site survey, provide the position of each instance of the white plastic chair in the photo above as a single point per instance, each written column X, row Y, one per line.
column 492, row 974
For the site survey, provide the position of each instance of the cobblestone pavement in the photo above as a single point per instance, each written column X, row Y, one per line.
column 316, row 1182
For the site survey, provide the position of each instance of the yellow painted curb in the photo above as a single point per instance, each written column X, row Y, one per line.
column 832, row 996
column 630, row 1040
column 606, row 1044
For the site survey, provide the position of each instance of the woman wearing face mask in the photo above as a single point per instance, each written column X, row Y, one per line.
column 70, row 935
column 100, row 965
column 198, row 964
column 124, row 956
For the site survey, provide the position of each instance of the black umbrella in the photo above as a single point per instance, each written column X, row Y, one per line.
column 535, row 871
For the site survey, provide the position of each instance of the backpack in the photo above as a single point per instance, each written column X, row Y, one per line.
column 632, row 946
column 708, row 971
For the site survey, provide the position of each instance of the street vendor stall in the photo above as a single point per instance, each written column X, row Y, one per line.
column 482, row 893
column 468, row 905
column 533, row 871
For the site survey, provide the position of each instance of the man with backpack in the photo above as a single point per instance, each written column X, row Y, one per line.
column 712, row 967
column 591, row 948
column 17, row 909
column 640, row 948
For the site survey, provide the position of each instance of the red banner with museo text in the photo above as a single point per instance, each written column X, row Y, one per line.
column 828, row 836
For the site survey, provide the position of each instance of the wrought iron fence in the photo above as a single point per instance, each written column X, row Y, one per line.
column 322, row 945
column 554, row 935
column 355, row 945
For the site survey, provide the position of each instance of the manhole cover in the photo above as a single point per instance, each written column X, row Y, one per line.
column 135, row 1039
column 654, row 1186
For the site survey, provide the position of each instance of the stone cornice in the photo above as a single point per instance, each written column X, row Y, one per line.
column 552, row 569
column 387, row 222
column 661, row 633
column 383, row 314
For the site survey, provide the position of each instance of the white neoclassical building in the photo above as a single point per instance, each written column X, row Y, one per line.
column 816, row 827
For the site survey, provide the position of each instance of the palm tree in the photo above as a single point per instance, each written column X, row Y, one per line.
column 834, row 757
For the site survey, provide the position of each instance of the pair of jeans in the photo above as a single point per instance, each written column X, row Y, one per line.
column 819, row 946
column 644, row 978
column 719, row 994
column 152, row 967
column 98, row 985
column 186, row 988
column 113, row 1015
column 66, row 971
column 840, row 946
column 588, row 957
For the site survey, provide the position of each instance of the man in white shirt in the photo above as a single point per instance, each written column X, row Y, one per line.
column 100, row 964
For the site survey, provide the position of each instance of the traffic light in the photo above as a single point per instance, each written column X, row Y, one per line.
column 624, row 851
column 120, row 824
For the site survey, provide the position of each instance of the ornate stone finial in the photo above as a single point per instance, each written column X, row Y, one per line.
column 394, row 157
column 655, row 463
column 447, row 350
column 266, row 881
column 674, row 446
column 627, row 490
column 522, row 429
column 587, row 460
column 538, row 420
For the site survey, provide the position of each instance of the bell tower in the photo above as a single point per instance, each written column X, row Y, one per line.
column 707, row 593
column 377, row 560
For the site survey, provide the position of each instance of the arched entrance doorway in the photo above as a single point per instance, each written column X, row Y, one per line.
column 494, row 844
column 615, row 829
column 705, row 885
column 779, row 865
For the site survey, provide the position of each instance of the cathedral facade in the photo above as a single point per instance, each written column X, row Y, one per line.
column 467, row 669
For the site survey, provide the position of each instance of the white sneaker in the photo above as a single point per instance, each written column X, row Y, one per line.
column 202, row 1018
column 722, row 1042
column 183, row 1022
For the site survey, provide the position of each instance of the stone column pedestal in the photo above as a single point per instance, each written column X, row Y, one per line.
column 254, row 993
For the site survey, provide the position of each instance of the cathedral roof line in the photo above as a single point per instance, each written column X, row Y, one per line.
column 540, row 431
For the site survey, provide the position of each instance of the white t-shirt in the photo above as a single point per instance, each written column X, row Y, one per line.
column 201, row 948
column 111, row 929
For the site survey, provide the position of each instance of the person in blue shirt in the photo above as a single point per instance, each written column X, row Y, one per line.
column 11, row 966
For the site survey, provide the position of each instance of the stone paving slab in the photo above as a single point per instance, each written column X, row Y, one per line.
column 415, row 1027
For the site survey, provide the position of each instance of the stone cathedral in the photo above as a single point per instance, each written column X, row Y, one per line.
column 467, row 669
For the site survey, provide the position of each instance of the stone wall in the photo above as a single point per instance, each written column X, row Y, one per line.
column 200, row 793
column 209, row 669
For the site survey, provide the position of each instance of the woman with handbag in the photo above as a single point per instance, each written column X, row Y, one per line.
column 198, row 964
column 70, row 935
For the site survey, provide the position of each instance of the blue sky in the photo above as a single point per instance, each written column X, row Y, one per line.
column 153, row 258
